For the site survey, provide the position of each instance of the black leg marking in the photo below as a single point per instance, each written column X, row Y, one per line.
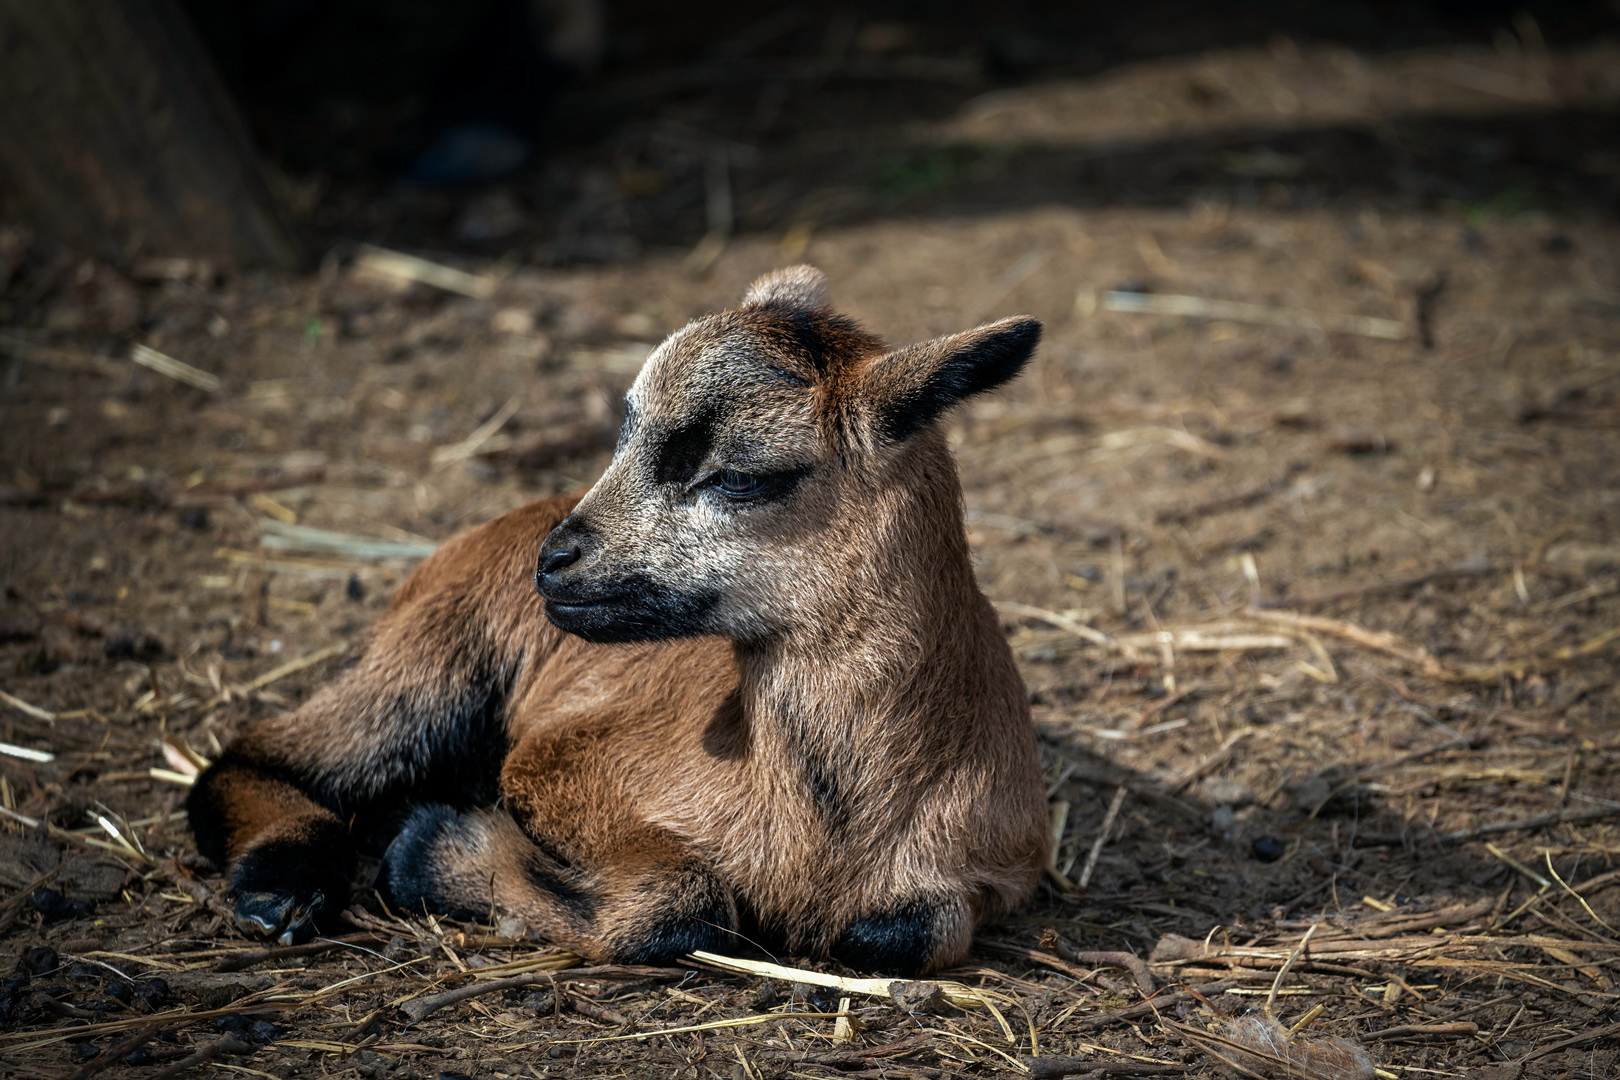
column 894, row 942
column 292, row 889
column 702, row 917
column 411, row 867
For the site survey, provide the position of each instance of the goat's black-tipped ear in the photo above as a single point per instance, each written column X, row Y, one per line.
column 800, row 286
column 910, row 387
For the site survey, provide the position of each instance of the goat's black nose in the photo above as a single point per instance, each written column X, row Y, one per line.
column 551, row 562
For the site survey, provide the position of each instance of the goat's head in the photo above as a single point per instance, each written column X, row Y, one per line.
column 761, row 450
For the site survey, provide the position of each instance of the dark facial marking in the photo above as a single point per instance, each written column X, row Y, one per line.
column 682, row 451
column 816, row 336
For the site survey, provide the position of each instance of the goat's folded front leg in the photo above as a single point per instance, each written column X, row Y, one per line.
column 647, row 902
column 289, row 858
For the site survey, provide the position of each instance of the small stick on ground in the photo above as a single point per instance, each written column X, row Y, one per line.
column 116, row 1052
column 1129, row 961
column 1460, row 1029
column 1102, row 838
column 1377, row 640
column 1276, row 984
column 1540, row 821
column 423, row 1007
column 228, row 1045
column 241, row 961
column 1152, row 1005
column 1047, row 1068
column 1394, row 585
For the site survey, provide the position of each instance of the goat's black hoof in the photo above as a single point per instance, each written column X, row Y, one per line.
column 288, row 890
column 288, row 919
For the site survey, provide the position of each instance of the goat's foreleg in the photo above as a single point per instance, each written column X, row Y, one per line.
column 569, row 854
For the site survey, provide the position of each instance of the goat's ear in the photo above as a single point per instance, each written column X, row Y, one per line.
column 802, row 287
column 912, row 386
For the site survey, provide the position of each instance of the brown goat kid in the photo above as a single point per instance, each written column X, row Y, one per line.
column 756, row 693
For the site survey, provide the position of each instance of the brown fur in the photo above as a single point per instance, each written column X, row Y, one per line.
column 824, row 744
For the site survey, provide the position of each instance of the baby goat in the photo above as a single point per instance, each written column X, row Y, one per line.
column 756, row 692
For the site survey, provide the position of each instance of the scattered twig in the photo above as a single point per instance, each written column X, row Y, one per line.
column 1129, row 961
column 1460, row 1029
column 289, row 668
column 26, row 709
column 1395, row 585
column 1235, row 501
column 1102, row 838
column 423, row 1007
column 1282, row 972
column 1058, row 619
column 178, row 370
column 595, row 1010
column 1048, row 1068
column 543, row 451
column 23, row 753
column 1540, row 821
column 1197, row 307
column 152, row 495
column 230, row 1044
column 279, row 534
column 411, row 268
column 1154, row 1004
column 466, row 448
column 1607, row 1031
column 1377, row 640
column 956, row 993
column 246, row 958
column 113, row 1054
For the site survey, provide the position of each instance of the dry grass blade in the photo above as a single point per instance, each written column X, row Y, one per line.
column 713, row 1025
column 279, row 534
column 1198, row 307
column 178, row 370
column 466, row 448
column 399, row 266
column 314, row 568
column 1377, row 640
column 420, row 1008
column 958, row 994
column 291, row 667
column 1060, row 620
column 1282, row 972
column 26, row 709
column 23, row 753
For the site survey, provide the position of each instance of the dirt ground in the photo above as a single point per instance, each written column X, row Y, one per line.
column 1314, row 578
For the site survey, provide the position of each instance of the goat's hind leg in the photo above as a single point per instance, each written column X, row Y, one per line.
column 648, row 902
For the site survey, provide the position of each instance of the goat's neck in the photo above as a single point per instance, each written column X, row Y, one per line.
column 895, row 620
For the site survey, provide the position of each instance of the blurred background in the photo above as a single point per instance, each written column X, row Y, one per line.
column 1303, row 523
column 560, row 132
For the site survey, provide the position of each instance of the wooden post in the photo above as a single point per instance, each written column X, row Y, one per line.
column 117, row 137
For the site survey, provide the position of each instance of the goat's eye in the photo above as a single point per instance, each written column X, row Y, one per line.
column 738, row 485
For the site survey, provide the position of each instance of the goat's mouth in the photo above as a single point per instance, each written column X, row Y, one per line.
column 637, row 614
